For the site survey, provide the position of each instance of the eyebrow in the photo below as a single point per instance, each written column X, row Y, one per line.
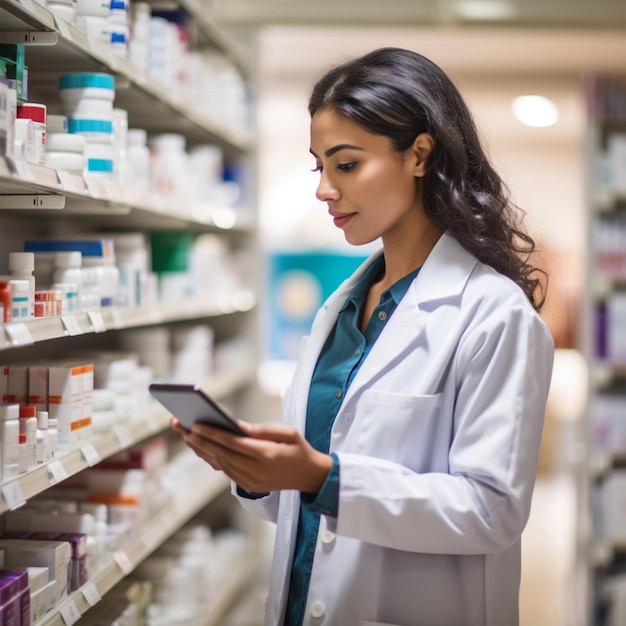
column 335, row 149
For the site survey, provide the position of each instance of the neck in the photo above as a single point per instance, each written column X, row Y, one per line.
column 402, row 257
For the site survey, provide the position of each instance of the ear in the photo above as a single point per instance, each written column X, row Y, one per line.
column 420, row 151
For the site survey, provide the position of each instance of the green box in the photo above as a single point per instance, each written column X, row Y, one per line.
column 14, row 58
column 170, row 250
column 14, row 52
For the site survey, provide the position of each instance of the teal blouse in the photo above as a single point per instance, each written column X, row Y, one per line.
column 343, row 354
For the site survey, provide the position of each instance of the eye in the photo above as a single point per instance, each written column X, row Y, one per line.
column 346, row 167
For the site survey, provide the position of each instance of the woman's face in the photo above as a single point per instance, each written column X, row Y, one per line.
column 371, row 191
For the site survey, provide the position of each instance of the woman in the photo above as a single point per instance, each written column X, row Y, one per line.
column 401, row 478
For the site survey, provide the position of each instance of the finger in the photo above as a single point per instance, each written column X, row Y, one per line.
column 177, row 426
column 279, row 433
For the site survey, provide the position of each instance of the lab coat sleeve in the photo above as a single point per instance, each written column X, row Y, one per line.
column 501, row 373
column 266, row 507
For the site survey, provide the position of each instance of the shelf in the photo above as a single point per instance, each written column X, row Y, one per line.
column 20, row 334
column 101, row 198
column 102, row 446
column 150, row 104
column 224, row 596
column 190, row 498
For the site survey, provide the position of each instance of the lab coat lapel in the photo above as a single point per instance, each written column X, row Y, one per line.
column 312, row 345
column 442, row 278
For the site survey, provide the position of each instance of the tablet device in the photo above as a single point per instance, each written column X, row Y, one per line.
column 189, row 404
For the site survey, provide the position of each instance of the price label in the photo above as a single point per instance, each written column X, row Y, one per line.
column 91, row 594
column 70, row 613
column 123, row 436
column 95, row 187
column 91, row 454
column 13, row 495
column 97, row 322
column 70, row 182
column 71, row 325
column 57, row 471
column 18, row 333
column 121, row 558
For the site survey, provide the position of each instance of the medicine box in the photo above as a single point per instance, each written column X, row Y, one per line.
column 55, row 555
column 14, row 597
column 70, row 391
column 38, row 386
column 17, row 384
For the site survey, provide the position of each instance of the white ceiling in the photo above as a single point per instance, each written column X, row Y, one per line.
column 490, row 66
column 531, row 13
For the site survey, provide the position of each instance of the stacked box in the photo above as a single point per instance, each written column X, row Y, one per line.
column 70, row 393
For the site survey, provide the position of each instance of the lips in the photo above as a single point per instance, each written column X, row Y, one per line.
column 340, row 219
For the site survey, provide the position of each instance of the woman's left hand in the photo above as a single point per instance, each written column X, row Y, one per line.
column 273, row 457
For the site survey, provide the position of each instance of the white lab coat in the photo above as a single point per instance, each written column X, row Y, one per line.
column 438, row 439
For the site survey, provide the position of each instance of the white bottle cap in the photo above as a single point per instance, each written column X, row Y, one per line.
column 42, row 419
column 21, row 261
column 63, row 260
column 9, row 411
column 137, row 137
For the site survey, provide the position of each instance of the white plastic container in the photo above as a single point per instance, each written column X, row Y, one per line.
column 37, row 113
column 206, row 166
column 120, row 145
column 87, row 95
column 28, row 432
column 20, row 300
column 98, row 150
column 69, row 297
column 106, row 276
column 97, row 29
column 66, row 152
column 170, row 166
column 53, row 431
column 94, row 8
column 22, row 266
column 68, row 269
column 71, row 162
column 64, row 142
column 140, row 33
column 137, row 160
column 25, row 140
column 9, row 440
column 42, row 425
column 120, row 28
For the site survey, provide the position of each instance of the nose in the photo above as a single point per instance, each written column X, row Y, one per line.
column 326, row 190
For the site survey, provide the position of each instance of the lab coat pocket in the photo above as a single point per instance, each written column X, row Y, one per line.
column 398, row 427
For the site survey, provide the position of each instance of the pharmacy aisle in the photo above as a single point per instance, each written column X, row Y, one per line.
column 127, row 255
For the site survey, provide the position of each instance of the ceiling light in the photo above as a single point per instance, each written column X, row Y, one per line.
column 537, row 111
column 485, row 10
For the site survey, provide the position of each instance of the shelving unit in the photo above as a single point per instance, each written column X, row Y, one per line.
column 605, row 485
column 35, row 200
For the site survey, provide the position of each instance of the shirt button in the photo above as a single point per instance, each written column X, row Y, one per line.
column 328, row 537
column 339, row 393
column 382, row 315
column 357, row 352
column 318, row 609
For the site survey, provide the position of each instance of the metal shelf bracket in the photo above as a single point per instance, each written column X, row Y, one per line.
column 31, row 37
column 32, row 201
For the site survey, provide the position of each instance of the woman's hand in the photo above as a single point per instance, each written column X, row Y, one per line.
column 273, row 457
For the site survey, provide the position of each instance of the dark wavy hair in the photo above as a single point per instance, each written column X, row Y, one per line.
column 400, row 94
